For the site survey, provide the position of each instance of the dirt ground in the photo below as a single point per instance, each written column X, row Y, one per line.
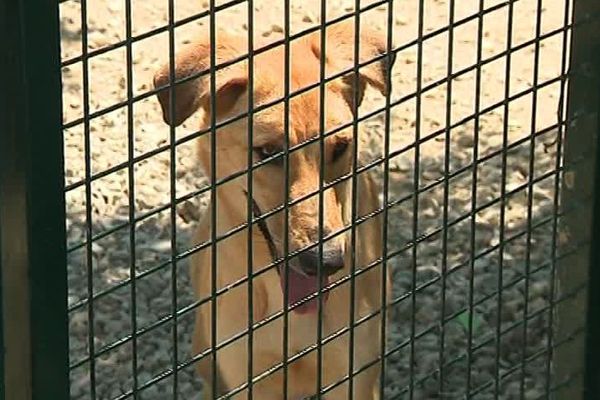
column 439, row 346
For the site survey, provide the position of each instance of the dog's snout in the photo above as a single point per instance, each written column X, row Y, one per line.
column 332, row 261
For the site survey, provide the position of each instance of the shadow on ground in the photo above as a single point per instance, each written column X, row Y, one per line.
column 453, row 292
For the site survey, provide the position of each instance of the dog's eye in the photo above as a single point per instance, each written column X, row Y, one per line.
column 339, row 149
column 268, row 151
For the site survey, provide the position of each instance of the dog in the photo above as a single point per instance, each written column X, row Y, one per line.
column 331, row 261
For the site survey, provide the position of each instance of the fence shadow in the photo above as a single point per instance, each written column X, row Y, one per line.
column 148, row 303
column 450, row 319
column 461, row 314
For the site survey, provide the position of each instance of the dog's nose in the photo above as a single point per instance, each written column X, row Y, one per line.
column 333, row 259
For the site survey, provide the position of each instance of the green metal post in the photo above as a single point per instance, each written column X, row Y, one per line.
column 32, row 208
column 592, row 342
column 577, row 289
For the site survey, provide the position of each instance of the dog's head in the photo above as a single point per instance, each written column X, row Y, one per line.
column 231, row 98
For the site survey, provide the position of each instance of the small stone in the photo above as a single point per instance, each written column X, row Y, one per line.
column 400, row 165
column 97, row 249
column 161, row 246
column 189, row 212
column 114, row 6
column 539, row 289
column 97, row 40
column 309, row 17
column 466, row 140
column 430, row 212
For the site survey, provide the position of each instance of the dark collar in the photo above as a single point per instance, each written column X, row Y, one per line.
column 262, row 225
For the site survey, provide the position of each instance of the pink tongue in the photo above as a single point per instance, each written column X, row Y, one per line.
column 300, row 287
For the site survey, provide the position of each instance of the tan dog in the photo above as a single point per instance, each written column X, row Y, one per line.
column 268, row 193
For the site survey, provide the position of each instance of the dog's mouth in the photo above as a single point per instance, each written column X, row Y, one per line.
column 300, row 286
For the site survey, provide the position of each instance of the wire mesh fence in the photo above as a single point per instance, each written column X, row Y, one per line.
column 307, row 199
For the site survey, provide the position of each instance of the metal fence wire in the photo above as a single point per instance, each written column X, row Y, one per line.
column 292, row 200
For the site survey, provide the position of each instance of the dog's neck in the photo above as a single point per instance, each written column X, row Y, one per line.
column 231, row 212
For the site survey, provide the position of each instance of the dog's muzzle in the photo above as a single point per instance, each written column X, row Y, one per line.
column 300, row 283
column 331, row 262
column 308, row 259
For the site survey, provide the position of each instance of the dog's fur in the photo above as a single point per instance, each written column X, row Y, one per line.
column 268, row 191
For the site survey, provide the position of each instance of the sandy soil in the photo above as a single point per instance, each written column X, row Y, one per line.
column 431, row 337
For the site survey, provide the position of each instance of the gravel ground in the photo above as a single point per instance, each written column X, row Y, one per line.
column 430, row 325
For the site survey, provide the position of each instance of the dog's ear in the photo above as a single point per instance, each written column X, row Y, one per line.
column 192, row 93
column 340, row 49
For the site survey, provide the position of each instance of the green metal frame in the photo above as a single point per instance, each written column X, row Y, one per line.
column 588, row 85
column 32, row 208
column 577, row 360
column 1, row 328
column 33, row 285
